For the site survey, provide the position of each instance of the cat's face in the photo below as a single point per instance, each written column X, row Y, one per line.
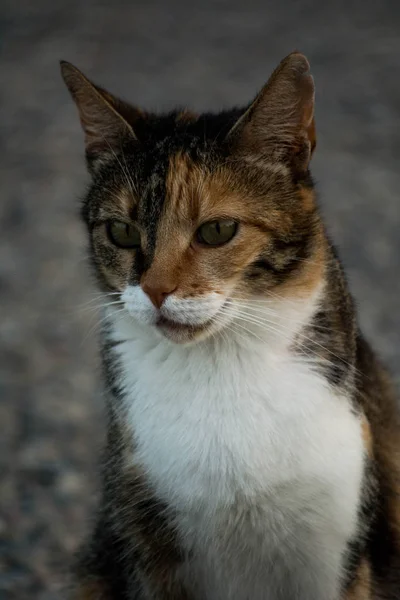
column 193, row 218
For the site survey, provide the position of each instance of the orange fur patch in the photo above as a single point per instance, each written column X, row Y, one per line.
column 361, row 588
column 307, row 278
column 367, row 435
column 194, row 196
column 307, row 198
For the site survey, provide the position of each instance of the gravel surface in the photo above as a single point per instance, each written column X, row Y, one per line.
column 204, row 54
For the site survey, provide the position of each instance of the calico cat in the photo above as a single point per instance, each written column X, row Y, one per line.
column 253, row 437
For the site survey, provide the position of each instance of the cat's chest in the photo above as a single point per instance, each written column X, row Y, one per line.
column 208, row 427
column 254, row 454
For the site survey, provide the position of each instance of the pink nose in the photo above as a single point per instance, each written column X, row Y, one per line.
column 158, row 293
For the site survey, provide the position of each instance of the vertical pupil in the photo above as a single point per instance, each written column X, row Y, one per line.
column 127, row 230
column 218, row 228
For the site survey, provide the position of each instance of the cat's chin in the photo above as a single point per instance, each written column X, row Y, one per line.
column 180, row 333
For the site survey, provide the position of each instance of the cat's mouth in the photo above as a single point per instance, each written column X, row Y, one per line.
column 185, row 332
column 169, row 326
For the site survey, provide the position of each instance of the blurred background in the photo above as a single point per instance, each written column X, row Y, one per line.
column 205, row 54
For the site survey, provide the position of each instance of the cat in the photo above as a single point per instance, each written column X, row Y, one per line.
column 253, row 438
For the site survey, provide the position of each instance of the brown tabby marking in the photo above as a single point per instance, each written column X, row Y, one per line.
column 119, row 203
column 183, row 183
column 309, row 275
column 307, row 198
column 367, row 436
column 113, row 263
column 126, row 204
column 361, row 588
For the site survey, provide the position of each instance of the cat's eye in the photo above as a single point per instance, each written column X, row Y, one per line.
column 124, row 235
column 216, row 233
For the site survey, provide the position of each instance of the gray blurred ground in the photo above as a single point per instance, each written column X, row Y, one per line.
column 204, row 54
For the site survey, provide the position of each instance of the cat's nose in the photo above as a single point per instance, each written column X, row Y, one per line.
column 158, row 293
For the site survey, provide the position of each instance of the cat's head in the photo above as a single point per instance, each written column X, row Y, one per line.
column 193, row 217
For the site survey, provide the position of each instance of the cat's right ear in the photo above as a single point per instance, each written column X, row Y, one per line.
column 103, row 117
column 279, row 124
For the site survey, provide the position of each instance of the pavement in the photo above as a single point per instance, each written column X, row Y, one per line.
column 209, row 54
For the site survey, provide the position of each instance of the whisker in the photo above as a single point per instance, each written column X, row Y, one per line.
column 229, row 327
column 124, row 172
column 264, row 303
column 99, row 323
column 130, row 180
column 259, row 310
column 98, row 296
column 264, row 324
column 303, row 346
column 90, row 303
column 270, row 297
column 248, row 331
column 100, row 306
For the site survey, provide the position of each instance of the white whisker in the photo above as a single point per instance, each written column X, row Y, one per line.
column 128, row 179
column 266, row 324
column 100, row 306
column 99, row 323
column 98, row 297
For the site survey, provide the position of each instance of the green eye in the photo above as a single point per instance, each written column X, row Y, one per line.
column 216, row 233
column 124, row 235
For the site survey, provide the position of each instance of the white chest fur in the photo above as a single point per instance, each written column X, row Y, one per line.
column 235, row 435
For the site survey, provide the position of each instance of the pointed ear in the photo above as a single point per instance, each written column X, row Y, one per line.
column 279, row 124
column 104, row 118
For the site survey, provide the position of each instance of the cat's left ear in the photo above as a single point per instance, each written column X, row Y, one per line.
column 106, row 120
column 279, row 124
